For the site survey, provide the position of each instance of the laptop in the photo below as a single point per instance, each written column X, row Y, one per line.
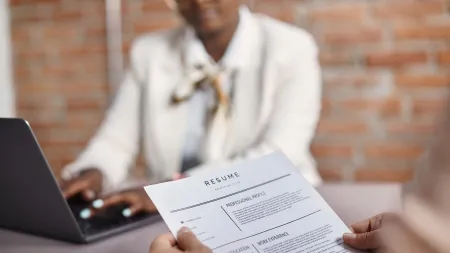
column 32, row 202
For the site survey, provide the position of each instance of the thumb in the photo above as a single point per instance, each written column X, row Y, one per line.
column 363, row 241
column 187, row 241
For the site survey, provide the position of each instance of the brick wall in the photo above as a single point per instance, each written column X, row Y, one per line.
column 386, row 71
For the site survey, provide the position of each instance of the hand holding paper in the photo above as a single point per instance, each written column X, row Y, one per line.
column 259, row 206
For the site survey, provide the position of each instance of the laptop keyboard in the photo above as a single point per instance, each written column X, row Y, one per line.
column 104, row 220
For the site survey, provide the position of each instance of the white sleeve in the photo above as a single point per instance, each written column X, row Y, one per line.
column 114, row 147
column 293, row 121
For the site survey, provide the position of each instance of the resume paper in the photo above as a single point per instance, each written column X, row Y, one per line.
column 257, row 206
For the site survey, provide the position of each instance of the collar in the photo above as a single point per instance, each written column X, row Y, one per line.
column 237, row 54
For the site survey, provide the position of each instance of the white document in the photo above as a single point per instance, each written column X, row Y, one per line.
column 258, row 206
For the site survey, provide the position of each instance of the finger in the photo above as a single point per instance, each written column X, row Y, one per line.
column 115, row 199
column 132, row 210
column 373, row 223
column 88, row 194
column 61, row 182
column 176, row 176
column 109, row 201
column 363, row 241
column 187, row 240
column 164, row 241
column 73, row 187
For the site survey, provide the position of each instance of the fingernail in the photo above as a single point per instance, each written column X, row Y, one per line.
column 176, row 176
column 90, row 194
column 183, row 230
column 85, row 213
column 349, row 236
column 126, row 212
column 97, row 203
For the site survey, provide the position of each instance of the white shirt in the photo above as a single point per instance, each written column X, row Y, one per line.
column 276, row 105
column 6, row 82
column 202, row 100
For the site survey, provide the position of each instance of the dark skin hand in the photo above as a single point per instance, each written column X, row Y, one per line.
column 187, row 242
column 88, row 183
column 367, row 233
column 136, row 199
column 214, row 22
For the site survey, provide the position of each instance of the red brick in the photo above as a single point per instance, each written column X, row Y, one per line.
column 144, row 27
column 402, row 9
column 335, row 59
column 60, row 32
column 428, row 106
column 81, row 88
column 350, row 13
column 395, row 59
column 383, row 174
column 353, row 35
column 31, row 53
column 326, row 107
column 99, row 32
column 20, row 33
column 322, row 150
column 393, row 150
column 67, row 15
column 342, row 127
column 85, row 119
column 331, row 174
column 85, row 103
column 154, row 6
column 385, row 107
column 444, row 57
column 410, row 128
column 276, row 10
column 62, row 142
column 22, row 2
column 59, row 71
column 423, row 32
column 126, row 47
column 34, row 87
column 84, row 49
column 354, row 80
column 422, row 80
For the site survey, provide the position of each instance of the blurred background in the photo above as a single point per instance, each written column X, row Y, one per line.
column 386, row 70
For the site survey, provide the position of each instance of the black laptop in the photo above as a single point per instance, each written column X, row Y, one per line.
column 32, row 202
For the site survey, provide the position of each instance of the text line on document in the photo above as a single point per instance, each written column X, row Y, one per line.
column 231, row 194
column 268, row 229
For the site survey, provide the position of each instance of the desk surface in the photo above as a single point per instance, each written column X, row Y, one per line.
column 351, row 202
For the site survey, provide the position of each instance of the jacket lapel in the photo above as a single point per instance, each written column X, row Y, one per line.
column 248, row 85
column 168, row 120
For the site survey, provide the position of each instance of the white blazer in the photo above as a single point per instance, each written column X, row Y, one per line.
column 275, row 107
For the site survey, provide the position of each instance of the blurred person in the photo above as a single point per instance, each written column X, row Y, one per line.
column 228, row 85
column 424, row 224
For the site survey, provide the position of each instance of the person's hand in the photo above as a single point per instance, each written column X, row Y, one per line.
column 425, row 229
column 88, row 183
column 136, row 200
column 367, row 234
column 187, row 242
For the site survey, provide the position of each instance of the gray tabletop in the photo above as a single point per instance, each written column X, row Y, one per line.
column 351, row 202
